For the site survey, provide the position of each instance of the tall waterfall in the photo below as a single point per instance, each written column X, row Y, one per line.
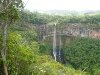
column 54, row 43
column 60, row 49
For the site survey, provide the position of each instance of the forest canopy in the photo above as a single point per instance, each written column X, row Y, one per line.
column 23, row 53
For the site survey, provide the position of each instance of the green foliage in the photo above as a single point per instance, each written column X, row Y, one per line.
column 46, row 66
column 28, row 56
column 45, row 47
column 9, row 10
column 38, row 18
column 24, row 60
column 84, row 53
column 34, row 18
column 20, row 55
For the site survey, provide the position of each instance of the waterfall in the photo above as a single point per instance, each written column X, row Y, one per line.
column 60, row 49
column 54, row 43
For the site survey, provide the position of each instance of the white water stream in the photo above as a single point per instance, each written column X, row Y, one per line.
column 54, row 43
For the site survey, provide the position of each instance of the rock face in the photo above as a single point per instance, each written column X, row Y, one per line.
column 68, row 30
column 94, row 34
column 56, row 33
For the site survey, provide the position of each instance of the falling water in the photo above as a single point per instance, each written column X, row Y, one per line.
column 60, row 49
column 54, row 43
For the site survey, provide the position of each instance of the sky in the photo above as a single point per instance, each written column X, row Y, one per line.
column 77, row 5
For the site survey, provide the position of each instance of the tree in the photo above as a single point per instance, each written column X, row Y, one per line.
column 8, row 14
column 84, row 53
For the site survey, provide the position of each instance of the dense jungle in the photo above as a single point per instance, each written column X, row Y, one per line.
column 33, row 43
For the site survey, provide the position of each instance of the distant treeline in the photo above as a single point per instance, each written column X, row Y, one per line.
column 40, row 18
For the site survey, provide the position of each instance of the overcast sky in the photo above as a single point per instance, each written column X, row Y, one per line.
column 78, row 5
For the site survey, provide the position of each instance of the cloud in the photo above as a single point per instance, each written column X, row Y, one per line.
column 63, row 4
